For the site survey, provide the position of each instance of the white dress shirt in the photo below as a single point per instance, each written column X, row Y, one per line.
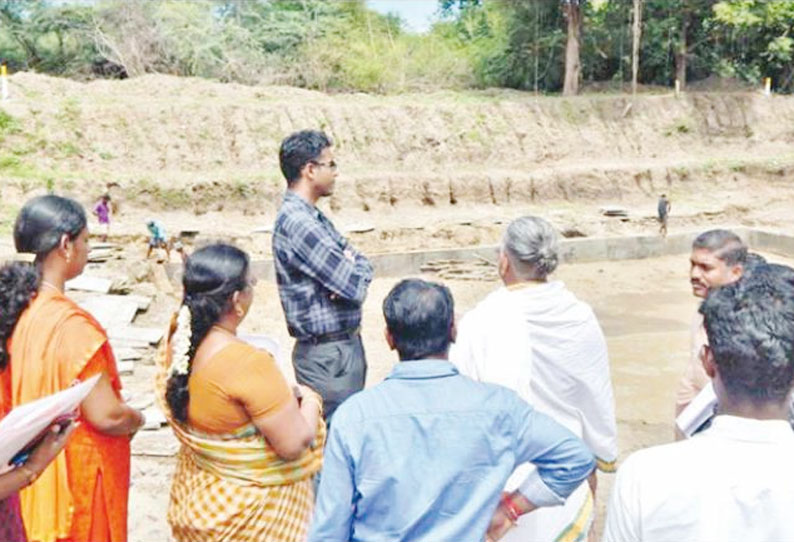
column 732, row 482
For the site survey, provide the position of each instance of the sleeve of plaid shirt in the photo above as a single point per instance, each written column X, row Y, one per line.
column 321, row 257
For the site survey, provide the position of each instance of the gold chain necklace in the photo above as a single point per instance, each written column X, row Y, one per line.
column 51, row 285
column 224, row 330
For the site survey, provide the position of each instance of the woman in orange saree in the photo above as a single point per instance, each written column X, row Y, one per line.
column 51, row 342
column 249, row 448
column 11, row 527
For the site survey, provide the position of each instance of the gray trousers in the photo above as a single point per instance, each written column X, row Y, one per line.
column 335, row 370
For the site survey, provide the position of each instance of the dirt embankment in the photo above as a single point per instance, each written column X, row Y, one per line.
column 193, row 144
column 417, row 171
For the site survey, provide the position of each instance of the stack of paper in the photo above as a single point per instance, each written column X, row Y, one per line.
column 26, row 422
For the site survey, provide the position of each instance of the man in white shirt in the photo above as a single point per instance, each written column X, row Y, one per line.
column 735, row 480
column 534, row 336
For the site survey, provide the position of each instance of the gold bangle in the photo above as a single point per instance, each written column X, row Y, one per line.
column 31, row 475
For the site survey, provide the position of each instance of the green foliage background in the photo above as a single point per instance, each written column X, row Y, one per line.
column 344, row 46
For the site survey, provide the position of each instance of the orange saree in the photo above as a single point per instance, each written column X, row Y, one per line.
column 82, row 495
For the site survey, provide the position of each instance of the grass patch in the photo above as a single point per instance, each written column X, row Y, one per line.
column 573, row 112
column 68, row 149
column 28, row 177
column 70, row 112
column 8, row 215
column 22, row 150
column 682, row 172
column 174, row 197
column 9, row 162
column 680, row 126
column 168, row 198
column 8, row 124
column 244, row 190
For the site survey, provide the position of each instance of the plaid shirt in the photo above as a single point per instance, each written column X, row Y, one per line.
column 321, row 289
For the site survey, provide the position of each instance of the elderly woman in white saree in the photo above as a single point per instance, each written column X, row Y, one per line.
column 535, row 337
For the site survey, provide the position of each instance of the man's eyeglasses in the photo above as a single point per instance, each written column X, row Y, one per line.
column 331, row 164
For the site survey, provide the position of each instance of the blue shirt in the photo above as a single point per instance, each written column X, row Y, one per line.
column 157, row 230
column 424, row 455
column 321, row 290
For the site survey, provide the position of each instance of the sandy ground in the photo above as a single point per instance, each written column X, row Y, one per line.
column 646, row 328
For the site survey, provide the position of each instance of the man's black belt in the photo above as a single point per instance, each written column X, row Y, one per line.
column 330, row 337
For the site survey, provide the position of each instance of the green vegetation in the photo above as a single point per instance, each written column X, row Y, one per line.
column 8, row 214
column 681, row 125
column 342, row 45
column 8, row 162
column 67, row 149
column 8, row 125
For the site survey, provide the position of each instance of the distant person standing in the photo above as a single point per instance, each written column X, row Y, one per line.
column 103, row 210
column 157, row 238
column 663, row 209
column 322, row 280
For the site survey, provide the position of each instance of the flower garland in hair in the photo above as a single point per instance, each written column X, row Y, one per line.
column 180, row 343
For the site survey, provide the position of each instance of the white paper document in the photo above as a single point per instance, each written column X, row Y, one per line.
column 26, row 422
column 698, row 411
column 271, row 345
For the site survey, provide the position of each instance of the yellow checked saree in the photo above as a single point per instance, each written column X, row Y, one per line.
column 234, row 487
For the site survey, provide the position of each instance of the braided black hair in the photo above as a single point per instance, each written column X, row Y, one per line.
column 38, row 230
column 212, row 275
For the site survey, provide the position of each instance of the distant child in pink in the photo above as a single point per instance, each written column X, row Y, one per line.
column 103, row 211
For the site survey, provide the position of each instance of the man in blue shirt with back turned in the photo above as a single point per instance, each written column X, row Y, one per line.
column 424, row 455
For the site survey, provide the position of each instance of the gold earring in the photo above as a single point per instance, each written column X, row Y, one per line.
column 239, row 312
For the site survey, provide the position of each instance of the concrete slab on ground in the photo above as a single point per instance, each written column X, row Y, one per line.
column 90, row 284
column 111, row 310
column 134, row 334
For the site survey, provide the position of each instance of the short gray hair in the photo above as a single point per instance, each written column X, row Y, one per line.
column 532, row 245
column 724, row 244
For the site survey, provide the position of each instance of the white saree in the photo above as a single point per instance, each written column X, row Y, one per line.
column 545, row 344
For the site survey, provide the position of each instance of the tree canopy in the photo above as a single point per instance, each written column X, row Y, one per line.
column 345, row 46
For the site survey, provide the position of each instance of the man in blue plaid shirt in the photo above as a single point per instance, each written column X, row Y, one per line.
column 322, row 280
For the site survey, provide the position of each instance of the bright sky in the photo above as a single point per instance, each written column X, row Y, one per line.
column 418, row 14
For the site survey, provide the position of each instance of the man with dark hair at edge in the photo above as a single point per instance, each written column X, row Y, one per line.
column 735, row 480
column 322, row 280
column 663, row 210
column 424, row 455
column 718, row 258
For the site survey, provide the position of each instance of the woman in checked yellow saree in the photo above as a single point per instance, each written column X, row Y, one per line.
column 249, row 447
